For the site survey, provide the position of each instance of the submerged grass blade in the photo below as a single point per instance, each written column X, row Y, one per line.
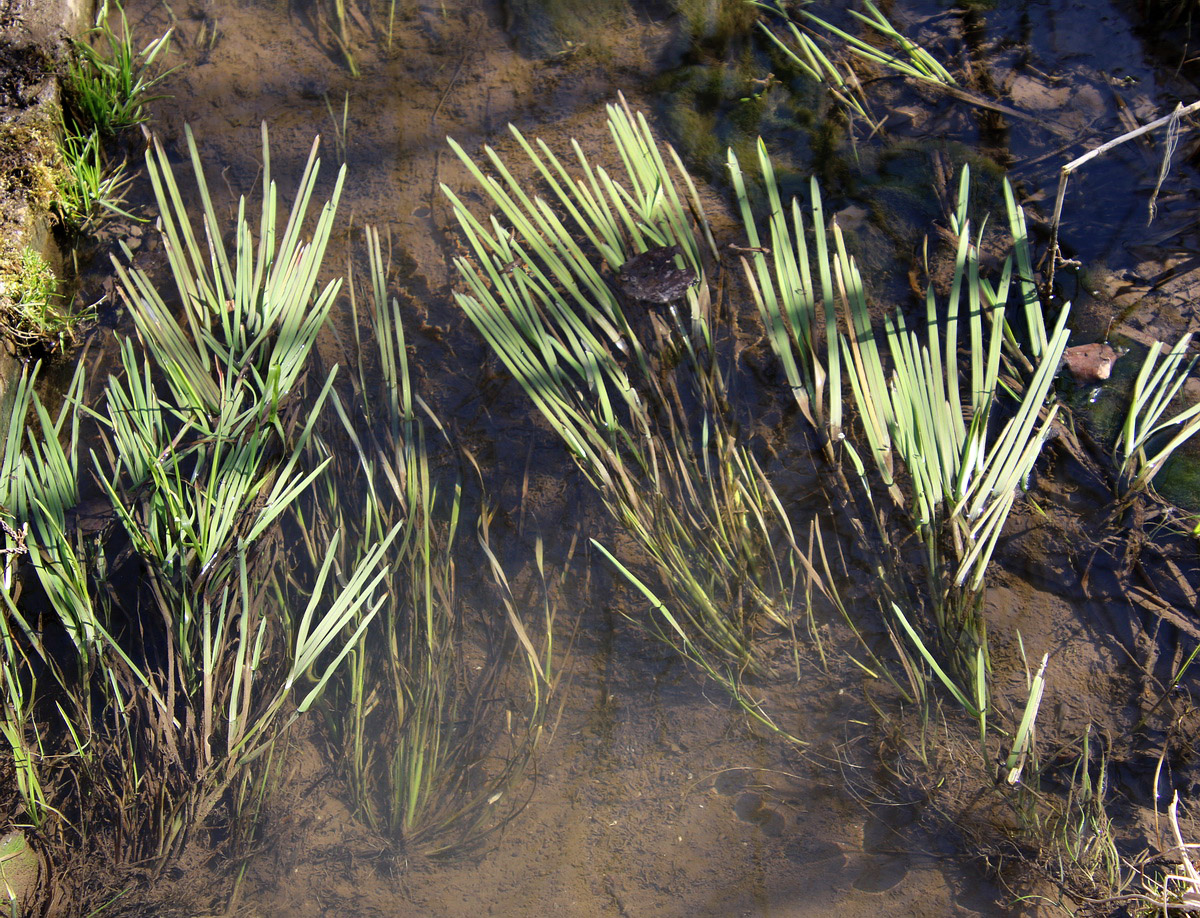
column 421, row 721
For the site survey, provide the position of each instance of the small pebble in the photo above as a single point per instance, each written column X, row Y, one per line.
column 1091, row 362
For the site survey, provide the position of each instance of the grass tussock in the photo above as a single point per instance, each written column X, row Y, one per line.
column 154, row 657
column 110, row 81
column 626, row 398
column 433, row 746
column 638, row 395
column 198, row 454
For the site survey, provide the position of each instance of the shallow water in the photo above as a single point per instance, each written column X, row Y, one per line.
column 652, row 798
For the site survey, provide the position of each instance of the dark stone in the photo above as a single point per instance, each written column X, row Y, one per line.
column 652, row 276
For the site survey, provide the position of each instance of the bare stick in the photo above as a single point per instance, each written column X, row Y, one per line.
column 1074, row 164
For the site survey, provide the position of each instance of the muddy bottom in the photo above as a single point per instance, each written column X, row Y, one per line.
column 651, row 799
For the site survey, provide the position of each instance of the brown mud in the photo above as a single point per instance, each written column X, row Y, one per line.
column 650, row 796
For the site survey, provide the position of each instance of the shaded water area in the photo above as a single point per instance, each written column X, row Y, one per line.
column 649, row 793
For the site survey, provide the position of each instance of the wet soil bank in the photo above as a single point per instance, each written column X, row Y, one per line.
column 652, row 797
column 32, row 39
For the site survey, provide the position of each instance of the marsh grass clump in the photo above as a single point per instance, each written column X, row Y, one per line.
column 171, row 689
column 154, row 664
column 32, row 311
column 109, row 80
column 935, row 436
column 89, row 187
column 823, row 52
column 431, row 746
column 107, row 87
column 640, row 401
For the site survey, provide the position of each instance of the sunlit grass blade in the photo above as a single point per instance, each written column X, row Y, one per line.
column 806, row 54
column 1143, row 431
column 787, row 298
column 910, row 59
column 1035, row 322
column 920, row 64
column 253, row 316
column 539, row 299
column 1022, row 745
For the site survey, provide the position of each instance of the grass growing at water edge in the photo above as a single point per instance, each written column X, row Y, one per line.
column 110, row 81
column 89, row 187
column 33, row 314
